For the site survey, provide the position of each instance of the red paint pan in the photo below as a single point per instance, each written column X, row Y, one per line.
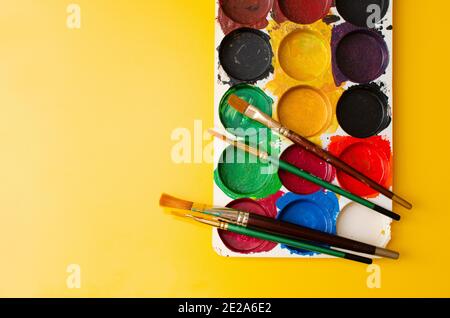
column 304, row 160
column 243, row 244
column 305, row 11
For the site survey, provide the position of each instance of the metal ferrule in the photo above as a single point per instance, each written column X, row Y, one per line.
column 223, row 226
column 256, row 114
column 228, row 214
column 210, row 210
column 284, row 131
column 242, row 219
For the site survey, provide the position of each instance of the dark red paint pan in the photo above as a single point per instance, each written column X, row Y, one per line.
column 304, row 11
column 246, row 11
column 304, row 160
column 243, row 244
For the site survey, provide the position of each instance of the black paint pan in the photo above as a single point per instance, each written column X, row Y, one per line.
column 363, row 111
column 246, row 55
column 362, row 13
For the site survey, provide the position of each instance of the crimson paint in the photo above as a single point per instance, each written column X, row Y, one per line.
column 305, row 11
column 299, row 157
column 243, row 244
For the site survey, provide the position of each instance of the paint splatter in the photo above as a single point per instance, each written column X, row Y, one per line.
column 270, row 203
column 317, row 211
column 282, row 81
column 371, row 156
column 330, row 19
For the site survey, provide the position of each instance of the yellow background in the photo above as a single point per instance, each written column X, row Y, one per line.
column 85, row 123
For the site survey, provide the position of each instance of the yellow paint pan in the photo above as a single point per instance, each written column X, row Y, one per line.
column 304, row 55
column 305, row 110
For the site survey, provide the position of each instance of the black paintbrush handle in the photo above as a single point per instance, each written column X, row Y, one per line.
column 298, row 232
column 357, row 258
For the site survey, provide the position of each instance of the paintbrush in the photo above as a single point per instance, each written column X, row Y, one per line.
column 254, row 113
column 277, row 239
column 276, row 227
column 305, row 175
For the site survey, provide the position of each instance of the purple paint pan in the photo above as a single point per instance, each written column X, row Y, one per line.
column 360, row 55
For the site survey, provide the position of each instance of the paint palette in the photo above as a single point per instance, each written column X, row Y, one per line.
column 317, row 68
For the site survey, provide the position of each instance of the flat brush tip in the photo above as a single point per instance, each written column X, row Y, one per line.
column 169, row 201
column 238, row 103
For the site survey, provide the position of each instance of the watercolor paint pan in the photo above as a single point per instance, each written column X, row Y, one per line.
column 362, row 13
column 304, row 12
column 363, row 111
column 240, row 243
column 235, row 14
column 234, row 121
column 246, row 55
column 317, row 211
column 302, row 159
column 239, row 175
column 246, row 12
column 295, row 52
column 305, row 88
column 359, row 55
column 371, row 156
column 355, row 221
column 305, row 110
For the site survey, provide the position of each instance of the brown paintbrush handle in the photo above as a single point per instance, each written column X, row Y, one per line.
column 341, row 165
column 303, row 233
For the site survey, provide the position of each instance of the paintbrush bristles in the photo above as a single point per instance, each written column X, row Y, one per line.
column 169, row 201
column 238, row 103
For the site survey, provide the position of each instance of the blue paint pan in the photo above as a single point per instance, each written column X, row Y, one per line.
column 317, row 211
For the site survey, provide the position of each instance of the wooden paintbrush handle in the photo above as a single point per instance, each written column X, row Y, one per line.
column 297, row 232
column 338, row 163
